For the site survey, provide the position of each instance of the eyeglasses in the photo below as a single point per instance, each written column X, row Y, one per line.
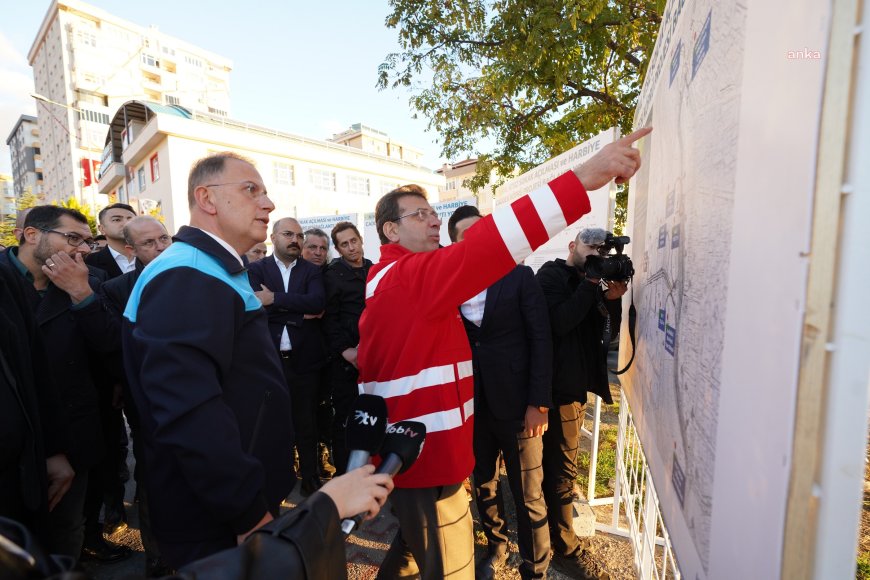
column 291, row 235
column 422, row 214
column 164, row 240
column 249, row 186
column 74, row 240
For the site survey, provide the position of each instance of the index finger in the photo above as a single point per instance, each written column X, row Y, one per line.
column 639, row 134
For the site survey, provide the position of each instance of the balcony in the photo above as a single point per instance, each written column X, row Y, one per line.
column 111, row 176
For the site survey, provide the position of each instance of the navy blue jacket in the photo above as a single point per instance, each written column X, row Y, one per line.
column 304, row 295
column 215, row 410
column 512, row 350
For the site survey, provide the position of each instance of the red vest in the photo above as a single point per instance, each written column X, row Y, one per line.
column 413, row 348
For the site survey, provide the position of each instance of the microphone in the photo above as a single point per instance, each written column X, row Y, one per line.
column 402, row 445
column 365, row 430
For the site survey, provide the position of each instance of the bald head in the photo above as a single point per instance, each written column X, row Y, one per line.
column 146, row 238
column 287, row 239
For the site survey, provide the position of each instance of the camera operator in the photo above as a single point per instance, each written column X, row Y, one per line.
column 580, row 323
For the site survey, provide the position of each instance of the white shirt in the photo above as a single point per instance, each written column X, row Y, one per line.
column 126, row 265
column 225, row 245
column 285, row 276
column 473, row 309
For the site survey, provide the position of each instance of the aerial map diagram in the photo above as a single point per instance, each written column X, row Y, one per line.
column 680, row 217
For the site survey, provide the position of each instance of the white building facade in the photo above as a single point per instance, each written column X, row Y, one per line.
column 151, row 147
column 86, row 63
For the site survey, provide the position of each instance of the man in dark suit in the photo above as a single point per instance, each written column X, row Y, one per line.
column 291, row 290
column 74, row 322
column 509, row 333
column 115, row 259
column 105, row 482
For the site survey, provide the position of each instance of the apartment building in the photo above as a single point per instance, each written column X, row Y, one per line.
column 87, row 63
column 24, row 150
column 456, row 174
column 151, row 147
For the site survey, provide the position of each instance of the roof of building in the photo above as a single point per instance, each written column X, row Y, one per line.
column 21, row 119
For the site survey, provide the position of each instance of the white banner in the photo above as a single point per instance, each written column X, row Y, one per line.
column 602, row 199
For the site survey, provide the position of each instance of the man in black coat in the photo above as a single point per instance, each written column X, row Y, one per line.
column 105, row 482
column 291, row 289
column 34, row 471
column 345, row 282
column 581, row 334
column 75, row 323
column 509, row 332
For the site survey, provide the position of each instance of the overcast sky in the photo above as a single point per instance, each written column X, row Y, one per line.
column 303, row 67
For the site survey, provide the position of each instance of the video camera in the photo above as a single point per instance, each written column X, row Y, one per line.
column 606, row 266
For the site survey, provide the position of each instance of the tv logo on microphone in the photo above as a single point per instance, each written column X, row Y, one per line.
column 401, row 430
column 363, row 418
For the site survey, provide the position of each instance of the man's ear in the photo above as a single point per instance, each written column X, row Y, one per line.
column 30, row 234
column 205, row 199
column 571, row 246
column 391, row 231
column 100, row 229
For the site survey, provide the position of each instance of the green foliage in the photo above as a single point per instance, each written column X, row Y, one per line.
column 27, row 200
column 606, row 471
column 534, row 77
column 73, row 203
column 863, row 572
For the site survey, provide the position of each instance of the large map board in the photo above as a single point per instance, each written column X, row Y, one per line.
column 718, row 217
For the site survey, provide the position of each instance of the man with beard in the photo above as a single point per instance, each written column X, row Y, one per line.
column 580, row 323
column 291, row 289
column 345, row 282
column 74, row 322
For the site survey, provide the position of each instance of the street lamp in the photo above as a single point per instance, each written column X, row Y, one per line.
column 84, row 142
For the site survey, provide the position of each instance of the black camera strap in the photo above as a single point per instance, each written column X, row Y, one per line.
column 632, row 320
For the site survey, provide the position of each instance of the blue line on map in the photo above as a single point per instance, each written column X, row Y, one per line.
column 702, row 45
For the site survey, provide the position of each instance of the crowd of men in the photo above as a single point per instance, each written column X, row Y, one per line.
column 228, row 363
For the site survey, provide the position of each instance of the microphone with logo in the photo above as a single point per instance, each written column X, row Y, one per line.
column 365, row 430
column 402, row 445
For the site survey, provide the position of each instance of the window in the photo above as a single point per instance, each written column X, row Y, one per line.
column 92, row 116
column 358, row 185
column 323, row 179
column 170, row 100
column 168, row 51
column 284, row 174
column 192, row 61
column 387, row 187
column 86, row 38
column 150, row 60
column 155, row 168
column 214, row 111
column 141, row 174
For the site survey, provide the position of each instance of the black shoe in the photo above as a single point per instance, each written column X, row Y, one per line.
column 310, row 485
column 576, row 565
column 156, row 568
column 325, row 469
column 96, row 548
column 494, row 561
column 115, row 519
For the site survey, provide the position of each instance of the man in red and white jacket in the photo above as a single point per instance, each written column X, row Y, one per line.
column 414, row 352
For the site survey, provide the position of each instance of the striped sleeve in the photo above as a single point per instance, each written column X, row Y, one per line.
column 530, row 221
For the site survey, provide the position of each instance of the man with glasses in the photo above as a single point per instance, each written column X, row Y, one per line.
column 291, row 290
column 580, row 323
column 145, row 238
column 74, row 322
column 414, row 351
column 215, row 411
